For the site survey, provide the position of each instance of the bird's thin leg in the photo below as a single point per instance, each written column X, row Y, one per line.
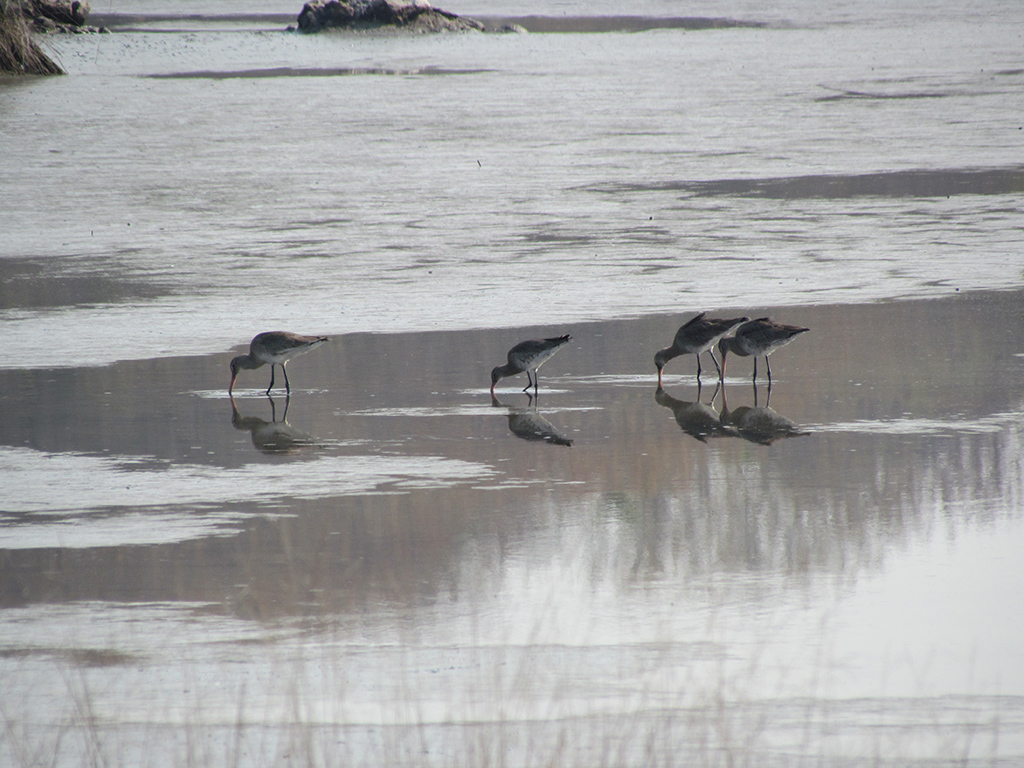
column 536, row 380
column 715, row 361
column 698, row 369
column 529, row 381
column 287, row 386
column 271, row 379
column 769, row 367
column 754, row 377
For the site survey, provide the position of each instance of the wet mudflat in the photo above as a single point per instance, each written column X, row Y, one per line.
column 392, row 568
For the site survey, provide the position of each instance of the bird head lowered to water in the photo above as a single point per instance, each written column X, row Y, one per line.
column 273, row 348
column 239, row 363
column 697, row 335
column 758, row 338
column 659, row 361
column 526, row 357
column 496, row 375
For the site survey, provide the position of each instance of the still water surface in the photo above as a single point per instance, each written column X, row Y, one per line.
column 390, row 572
column 390, row 568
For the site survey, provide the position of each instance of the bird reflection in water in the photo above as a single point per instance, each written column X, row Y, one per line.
column 527, row 423
column 759, row 424
column 274, row 436
column 696, row 419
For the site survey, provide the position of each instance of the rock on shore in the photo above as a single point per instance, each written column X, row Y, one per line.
column 56, row 15
column 375, row 14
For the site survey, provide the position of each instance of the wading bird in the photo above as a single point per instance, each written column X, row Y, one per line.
column 696, row 336
column 758, row 338
column 528, row 356
column 273, row 348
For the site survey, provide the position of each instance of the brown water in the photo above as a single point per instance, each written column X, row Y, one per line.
column 388, row 573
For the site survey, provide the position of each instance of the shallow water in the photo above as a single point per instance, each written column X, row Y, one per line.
column 453, row 182
column 390, row 573
column 392, row 568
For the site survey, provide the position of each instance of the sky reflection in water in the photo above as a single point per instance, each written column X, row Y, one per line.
column 443, row 569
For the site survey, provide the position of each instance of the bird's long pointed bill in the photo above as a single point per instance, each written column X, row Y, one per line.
column 231, row 386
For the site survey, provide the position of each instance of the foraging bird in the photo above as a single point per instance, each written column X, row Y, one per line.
column 696, row 336
column 273, row 348
column 528, row 356
column 758, row 338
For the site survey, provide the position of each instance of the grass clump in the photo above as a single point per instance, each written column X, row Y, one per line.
column 19, row 53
